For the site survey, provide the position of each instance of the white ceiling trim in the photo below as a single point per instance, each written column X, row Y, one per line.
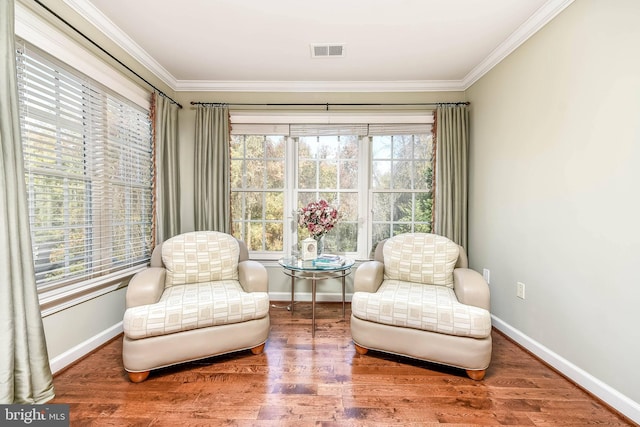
column 531, row 26
column 92, row 14
column 319, row 86
column 538, row 20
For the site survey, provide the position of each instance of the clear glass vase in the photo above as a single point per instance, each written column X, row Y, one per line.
column 320, row 244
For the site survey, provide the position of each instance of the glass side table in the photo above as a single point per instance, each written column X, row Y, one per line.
column 296, row 268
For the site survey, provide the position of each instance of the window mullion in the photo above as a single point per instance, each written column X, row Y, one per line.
column 291, row 198
column 263, row 223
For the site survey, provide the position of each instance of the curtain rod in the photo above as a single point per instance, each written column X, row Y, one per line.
column 327, row 105
column 161, row 93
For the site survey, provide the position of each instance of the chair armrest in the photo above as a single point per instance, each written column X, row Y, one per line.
column 471, row 288
column 145, row 287
column 368, row 277
column 253, row 276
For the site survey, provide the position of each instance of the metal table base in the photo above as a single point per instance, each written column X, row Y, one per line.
column 315, row 275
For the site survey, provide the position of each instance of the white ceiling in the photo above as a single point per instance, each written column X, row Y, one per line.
column 265, row 45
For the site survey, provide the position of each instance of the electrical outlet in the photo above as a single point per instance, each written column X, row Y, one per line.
column 520, row 290
column 486, row 274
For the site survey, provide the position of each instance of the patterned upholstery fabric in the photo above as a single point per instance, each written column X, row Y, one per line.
column 197, row 305
column 425, row 307
column 200, row 256
column 420, row 258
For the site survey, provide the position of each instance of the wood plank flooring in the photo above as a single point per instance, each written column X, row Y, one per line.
column 321, row 381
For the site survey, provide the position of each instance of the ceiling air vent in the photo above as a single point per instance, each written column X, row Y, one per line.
column 327, row 50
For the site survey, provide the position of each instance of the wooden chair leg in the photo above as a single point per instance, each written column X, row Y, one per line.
column 138, row 377
column 258, row 349
column 360, row 349
column 476, row 375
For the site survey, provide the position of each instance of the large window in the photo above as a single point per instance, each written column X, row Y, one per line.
column 378, row 176
column 401, row 181
column 88, row 167
column 258, row 183
column 328, row 169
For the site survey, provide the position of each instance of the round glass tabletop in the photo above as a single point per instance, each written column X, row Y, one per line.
column 321, row 264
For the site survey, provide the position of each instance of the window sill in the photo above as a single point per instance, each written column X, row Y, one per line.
column 60, row 299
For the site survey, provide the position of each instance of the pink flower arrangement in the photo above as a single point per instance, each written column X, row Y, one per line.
column 318, row 218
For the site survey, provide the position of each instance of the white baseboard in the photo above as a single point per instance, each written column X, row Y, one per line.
column 607, row 394
column 306, row 296
column 65, row 359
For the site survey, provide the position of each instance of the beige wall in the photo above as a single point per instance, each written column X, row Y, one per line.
column 554, row 188
column 79, row 325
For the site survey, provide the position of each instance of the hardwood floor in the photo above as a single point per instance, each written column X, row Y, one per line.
column 321, row 381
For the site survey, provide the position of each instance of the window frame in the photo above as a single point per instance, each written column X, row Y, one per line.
column 361, row 180
column 392, row 190
column 262, row 254
column 256, row 121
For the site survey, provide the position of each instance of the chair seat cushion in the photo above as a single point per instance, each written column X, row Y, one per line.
column 193, row 306
column 426, row 307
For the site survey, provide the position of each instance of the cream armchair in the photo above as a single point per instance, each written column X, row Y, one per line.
column 417, row 298
column 200, row 297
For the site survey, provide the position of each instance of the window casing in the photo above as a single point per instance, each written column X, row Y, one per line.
column 379, row 177
column 88, row 171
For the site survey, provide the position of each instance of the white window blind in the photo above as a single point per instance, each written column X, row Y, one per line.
column 328, row 129
column 359, row 129
column 399, row 129
column 88, row 170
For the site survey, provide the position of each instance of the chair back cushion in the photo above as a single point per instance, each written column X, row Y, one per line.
column 200, row 256
column 420, row 258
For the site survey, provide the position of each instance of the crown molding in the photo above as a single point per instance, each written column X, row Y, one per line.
column 34, row 29
column 539, row 19
column 318, row 86
column 95, row 17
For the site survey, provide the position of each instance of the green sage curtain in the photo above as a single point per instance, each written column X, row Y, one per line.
column 165, row 130
column 212, row 166
column 25, row 374
column 452, row 182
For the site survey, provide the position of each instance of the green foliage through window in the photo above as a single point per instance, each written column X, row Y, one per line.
column 392, row 172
